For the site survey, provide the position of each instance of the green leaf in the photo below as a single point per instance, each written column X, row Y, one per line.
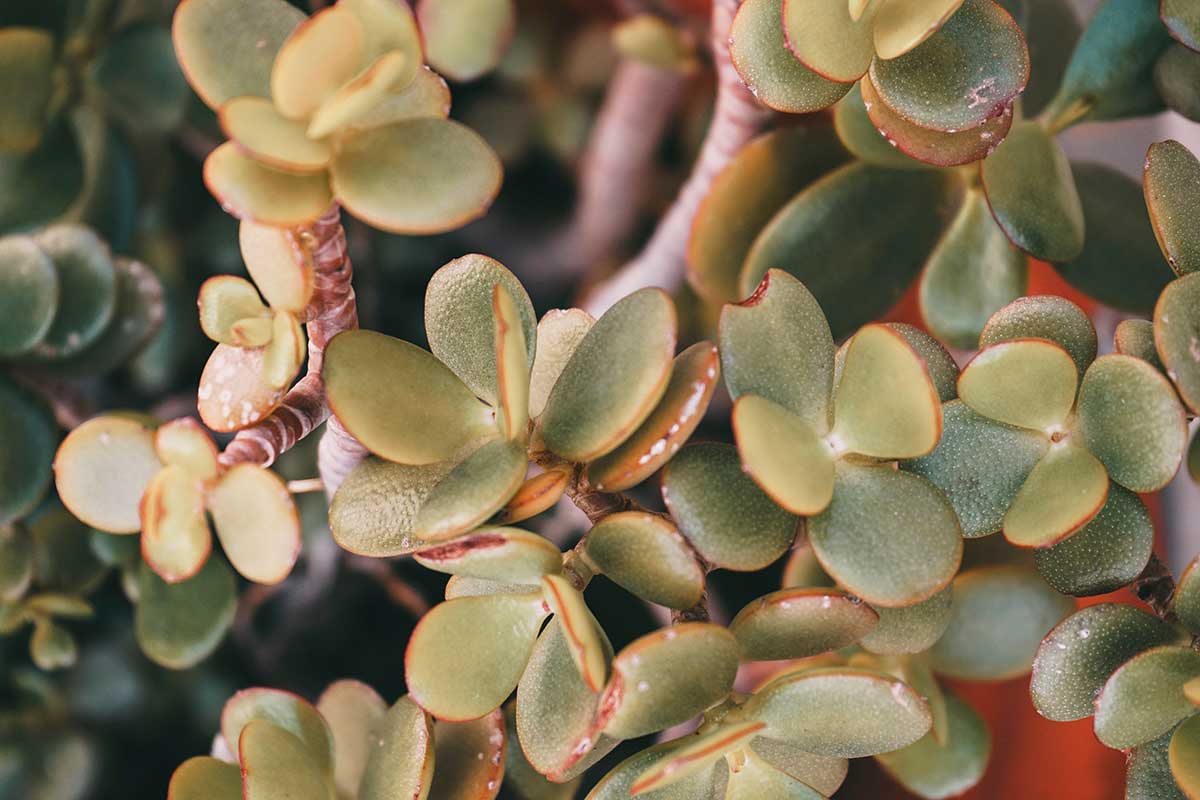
column 225, row 301
column 52, row 646
column 205, row 778
column 426, row 96
column 402, row 758
column 399, row 401
column 1051, row 28
column 783, row 455
column 512, row 367
column 694, row 376
column 16, row 563
column 759, row 778
column 1000, row 615
column 277, row 766
column 556, row 710
column 29, row 294
column 581, row 629
column 102, row 469
column 1176, row 74
column 499, row 630
column 721, row 512
column 266, row 135
column 889, row 537
column 1135, row 337
column 29, row 434
column 41, row 186
column 416, row 176
column 760, row 54
column 270, row 255
column 910, row 629
column 1105, row 554
column 857, row 263
column 474, row 490
column 1182, row 21
column 1110, row 68
column 63, row 560
column 1144, row 698
column 179, row 625
column 1186, row 601
column 458, row 320
column 536, row 494
column 840, row 711
column 646, row 555
column 558, row 334
column 364, row 93
column 1121, row 265
column 777, row 344
column 1132, row 420
column 699, row 753
column 966, row 73
column 352, row 710
column 283, row 710
column 319, row 56
column 667, row 677
column 1082, row 651
column 1170, row 182
column 1176, row 328
column 87, row 281
column 373, row 511
column 616, row 785
column 234, row 392
column 1049, row 317
column 614, row 379
column 1184, row 755
column 972, row 273
column 27, row 66
column 932, row 769
column 828, row 40
column 798, row 623
column 141, row 80
column 257, row 522
column 824, row 774
column 859, row 135
column 226, row 47
column 1033, row 196
column 176, row 539
column 1029, row 383
column 248, row 189
column 466, row 40
column 1148, row 775
column 901, row 26
column 469, row 757
column 886, row 405
column 501, row 554
column 1065, row 490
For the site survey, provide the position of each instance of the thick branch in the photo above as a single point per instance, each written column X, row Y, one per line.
column 737, row 117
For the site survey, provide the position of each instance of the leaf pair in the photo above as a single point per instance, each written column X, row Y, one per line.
column 118, row 475
column 337, row 106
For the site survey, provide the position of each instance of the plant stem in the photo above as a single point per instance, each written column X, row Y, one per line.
column 737, row 117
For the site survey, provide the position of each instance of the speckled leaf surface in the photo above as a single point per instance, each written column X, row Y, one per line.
column 1065, row 490
column 284, row 710
column 351, row 709
column 1144, row 698
column 910, row 629
column 179, row 625
column 401, row 765
column 783, row 455
column 1135, row 337
column 474, row 490
column 1177, row 336
column 646, row 555
column 500, row 554
column 1148, row 774
column 697, row 755
column 932, row 769
column 558, row 334
column 1186, row 602
column 1183, row 756
column 469, row 758
column 1170, row 182
column 1049, row 317
column 1029, row 383
column 827, row 39
column 698, row 786
column 859, row 135
column 798, row 623
column 205, row 778
column 374, row 509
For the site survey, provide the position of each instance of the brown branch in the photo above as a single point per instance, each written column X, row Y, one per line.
column 737, row 117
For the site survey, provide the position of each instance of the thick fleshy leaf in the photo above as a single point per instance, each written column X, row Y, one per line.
column 1105, row 554
column 102, row 469
column 1082, row 651
column 972, row 273
column 16, row 563
column 1148, row 773
column 940, row 148
column 248, row 189
column 266, row 135
column 256, row 522
column 464, row 41
column 783, row 455
column 387, row 26
column 512, row 366
column 966, row 73
column 721, row 512
column 1045, row 317
column 941, row 365
column 859, row 135
column 910, row 629
column 286, row 711
column 667, row 677
column 555, row 710
column 272, row 259
column 427, row 96
column 1182, row 20
column 1170, row 179
column 1121, row 264
column 502, row 554
column 580, row 628
column 63, row 560
column 205, row 778
column 284, row 354
column 694, row 376
column 320, row 55
column 29, row 294
column 373, row 511
column 614, row 379
column 352, row 710
column 176, row 540
column 363, row 93
column 698, row 755
column 825, row 774
column 855, row 262
column 1132, row 420
column 646, row 555
column 500, row 631
column 1135, row 337
column 889, row 537
column 1175, row 78
column 42, row 185
column 1033, row 196
column 1051, row 30
column 399, row 401
column 777, row 344
column 233, row 393
column 886, row 405
column 704, row 785
column 226, row 47
column 798, row 623
column 759, row 51
column 27, row 64
column 932, row 769
column 179, row 625
column 276, row 765
column 755, row 777
column 1029, row 383
column 901, row 25
column 535, row 495
column 140, row 79
column 416, row 176
column 1144, row 698
column 1184, row 756
column 29, row 433
column 469, row 757
column 474, row 490
column 1000, row 616
column 1186, row 601
column 402, row 759
column 842, row 712
column 226, row 300
column 184, row 443
column 1065, row 490
column 827, row 39
column 1176, row 329
column 558, row 334
column 87, row 286
column 459, row 316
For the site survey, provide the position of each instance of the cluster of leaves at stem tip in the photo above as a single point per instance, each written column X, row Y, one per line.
column 876, row 463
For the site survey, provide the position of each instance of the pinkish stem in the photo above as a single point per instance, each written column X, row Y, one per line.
column 737, row 117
